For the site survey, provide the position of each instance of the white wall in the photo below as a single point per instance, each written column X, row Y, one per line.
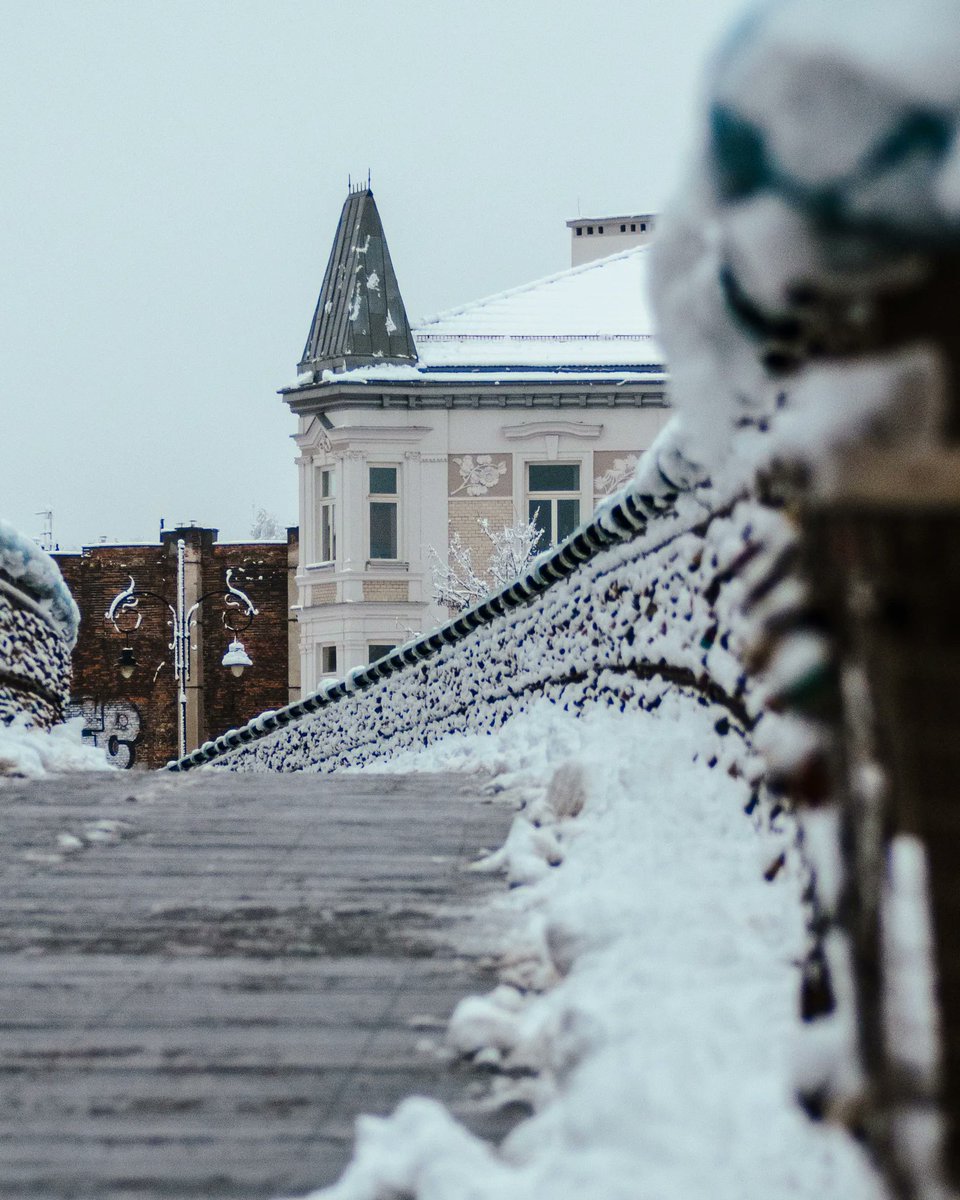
column 333, row 609
column 587, row 246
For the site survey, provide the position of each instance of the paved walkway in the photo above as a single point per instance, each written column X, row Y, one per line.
column 204, row 979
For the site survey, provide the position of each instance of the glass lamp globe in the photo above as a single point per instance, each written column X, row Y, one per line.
column 127, row 662
column 236, row 658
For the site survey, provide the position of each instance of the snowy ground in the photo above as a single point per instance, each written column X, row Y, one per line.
column 31, row 752
column 650, row 982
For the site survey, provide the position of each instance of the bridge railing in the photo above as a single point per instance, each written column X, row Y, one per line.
column 590, row 616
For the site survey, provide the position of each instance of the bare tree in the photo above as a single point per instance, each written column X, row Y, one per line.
column 266, row 527
column 457, row 583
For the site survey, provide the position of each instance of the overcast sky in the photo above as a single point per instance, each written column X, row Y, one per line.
column 173, row 174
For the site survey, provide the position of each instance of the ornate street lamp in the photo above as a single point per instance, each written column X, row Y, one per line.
column 236, row 658
column 236, row 605
column 127, row 662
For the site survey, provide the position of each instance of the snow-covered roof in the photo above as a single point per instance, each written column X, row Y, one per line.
column 589, row 321
column 597, row 314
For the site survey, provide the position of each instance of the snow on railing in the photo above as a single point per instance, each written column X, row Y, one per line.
column 644, row 539
column 621, row 518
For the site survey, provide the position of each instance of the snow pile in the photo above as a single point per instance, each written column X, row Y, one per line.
column 649, row 981
column 31, row 752
column 647, row 1012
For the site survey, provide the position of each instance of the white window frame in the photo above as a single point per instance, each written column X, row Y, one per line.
column 394, row 498
column 548, row 496
column 326, row 505
column 324, row 672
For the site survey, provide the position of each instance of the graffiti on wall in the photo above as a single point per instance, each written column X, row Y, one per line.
column 112, row 725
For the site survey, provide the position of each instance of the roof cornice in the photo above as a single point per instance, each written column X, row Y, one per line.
column 557, row 393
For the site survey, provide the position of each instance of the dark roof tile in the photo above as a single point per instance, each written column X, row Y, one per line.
column 360, row 318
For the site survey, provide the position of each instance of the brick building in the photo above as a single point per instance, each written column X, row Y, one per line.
column 535, row 402
column 135, row 719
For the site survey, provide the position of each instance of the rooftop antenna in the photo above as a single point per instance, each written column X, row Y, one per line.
column 368, row 179
column 349, row 184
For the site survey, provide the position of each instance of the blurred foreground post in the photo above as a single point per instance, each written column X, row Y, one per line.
column 808, row 287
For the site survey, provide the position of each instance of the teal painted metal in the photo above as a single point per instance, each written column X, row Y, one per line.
column 360, row 319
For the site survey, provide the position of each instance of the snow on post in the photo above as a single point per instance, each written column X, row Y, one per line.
column 806, row 284
column 38, row 629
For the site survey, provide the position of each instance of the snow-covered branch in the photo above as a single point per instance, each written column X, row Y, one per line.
column 458, row 584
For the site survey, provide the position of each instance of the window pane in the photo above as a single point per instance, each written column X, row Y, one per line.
column 568, row 517
column 378, row 650
column 538, row 511
column 328, row 537
column 554, row 477
column 383, row 481
column 326, row 484
column 329, row 660
column 383, row 530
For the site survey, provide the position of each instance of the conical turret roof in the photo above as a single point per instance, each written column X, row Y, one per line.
column 360, row 318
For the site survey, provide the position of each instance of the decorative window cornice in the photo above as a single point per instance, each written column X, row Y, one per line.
column 533, row 429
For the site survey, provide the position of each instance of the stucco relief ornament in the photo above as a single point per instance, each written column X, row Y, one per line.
column 479, row 474
column 324, row 442
column 616, row 476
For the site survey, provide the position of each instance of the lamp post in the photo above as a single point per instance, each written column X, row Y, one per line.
column 182, row 620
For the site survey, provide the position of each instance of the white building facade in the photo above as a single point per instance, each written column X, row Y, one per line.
column 537, row 401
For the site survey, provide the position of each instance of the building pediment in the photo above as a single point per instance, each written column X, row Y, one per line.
column 313, row 436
